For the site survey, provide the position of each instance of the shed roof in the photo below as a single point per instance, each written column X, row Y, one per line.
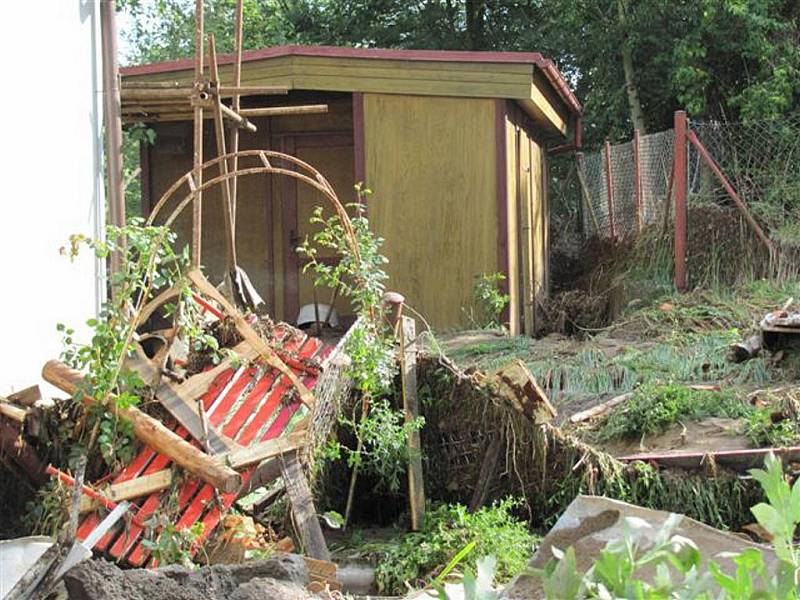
column 527, row 77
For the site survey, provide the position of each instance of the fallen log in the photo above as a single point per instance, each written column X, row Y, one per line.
column 517, row 385
column 600, row 409
column 746, row 349
column 154, row 434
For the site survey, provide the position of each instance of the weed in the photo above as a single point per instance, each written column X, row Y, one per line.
column 488, row 301
column 654, row 407
column 765, row 432
column 175, row 546
column 417, row 557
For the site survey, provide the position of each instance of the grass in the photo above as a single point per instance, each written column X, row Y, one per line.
column 653, row 408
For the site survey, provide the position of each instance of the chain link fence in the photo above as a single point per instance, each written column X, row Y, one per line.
column 626, row 192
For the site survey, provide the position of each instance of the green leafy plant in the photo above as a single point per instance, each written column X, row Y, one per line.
column 359, row 275
column 489, row 301
column 474, row 586
column 175, row 546
column 676, row 560
column 654, row 407
column 149, row 264
column 418, row 557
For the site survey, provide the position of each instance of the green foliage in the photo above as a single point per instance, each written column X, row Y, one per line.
column 175, row 546
column 148, row 265
column 474, row 586
column 677, row 563
column 764, row 432
column 654, row 407
column 133, row 137
column 489, row 301
column 447, row 530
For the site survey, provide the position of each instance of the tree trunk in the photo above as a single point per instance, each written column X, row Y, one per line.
column 475, row 9
column 631, row 89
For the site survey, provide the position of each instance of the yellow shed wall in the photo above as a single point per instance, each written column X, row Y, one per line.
column 430, row 162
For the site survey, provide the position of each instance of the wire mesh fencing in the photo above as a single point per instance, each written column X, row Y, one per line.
column 742, row 196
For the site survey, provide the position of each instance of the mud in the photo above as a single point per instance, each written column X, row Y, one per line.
column 279, row 577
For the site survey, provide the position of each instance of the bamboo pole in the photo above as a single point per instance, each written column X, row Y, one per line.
column 236, row 105
column 237, row 119
column 197, row 157
column 153, row 433
column 219, row 130
column 155, row 94
column 230, row 91
column 278, row 111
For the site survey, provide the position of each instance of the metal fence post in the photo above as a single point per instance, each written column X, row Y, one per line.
column 680, row 183
column 610, row 183
column 637, row 177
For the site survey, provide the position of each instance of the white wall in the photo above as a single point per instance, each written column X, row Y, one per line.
column 51, row 182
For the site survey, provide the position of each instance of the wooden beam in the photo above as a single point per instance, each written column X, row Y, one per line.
column 144, row 485
column 243, row 457
column 180, row 405
column 408, row 363
column 153, row 433
column 27, row 397
column 303, row 511
column 277, row 111
column 12, row 412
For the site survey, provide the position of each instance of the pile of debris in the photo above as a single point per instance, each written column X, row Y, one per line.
column 250, row 422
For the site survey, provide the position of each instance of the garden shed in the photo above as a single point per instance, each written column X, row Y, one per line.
column 452, row 144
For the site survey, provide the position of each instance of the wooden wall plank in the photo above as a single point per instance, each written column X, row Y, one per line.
column 429, row 164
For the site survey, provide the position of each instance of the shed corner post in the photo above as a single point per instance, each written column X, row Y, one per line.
column 680, row 183
column 501, row 195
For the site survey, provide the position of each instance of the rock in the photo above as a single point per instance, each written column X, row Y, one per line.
column 280, row 575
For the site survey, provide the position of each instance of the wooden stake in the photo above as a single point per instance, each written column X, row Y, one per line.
column 144, row 485
column 236, row 105
column 153, row 433
column 303, row 511
column 408, row 365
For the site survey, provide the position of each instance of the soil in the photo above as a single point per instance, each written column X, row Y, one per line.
column 709, row 435
column 280, row 577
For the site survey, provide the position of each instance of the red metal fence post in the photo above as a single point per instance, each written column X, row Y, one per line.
column 610, row 183
column 637, row 178
column 680, row 184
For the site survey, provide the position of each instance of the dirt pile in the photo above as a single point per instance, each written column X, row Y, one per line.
column 284, row 576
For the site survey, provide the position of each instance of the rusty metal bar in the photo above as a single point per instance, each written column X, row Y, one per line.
column 680, row 184
column 740, row 204
column 610, row 184
column 637, row 177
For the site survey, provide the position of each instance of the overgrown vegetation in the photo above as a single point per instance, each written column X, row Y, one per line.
column 654, row 407
column 488, row 301
column 379, row 428
column 416, row 558
column 676, row 560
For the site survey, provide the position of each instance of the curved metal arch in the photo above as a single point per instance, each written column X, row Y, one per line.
column 311, row 177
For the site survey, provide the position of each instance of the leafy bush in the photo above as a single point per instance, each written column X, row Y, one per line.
column 654, row 407
column 447, row 529
column 488, row 301
column 676, row 560
column 763, row 432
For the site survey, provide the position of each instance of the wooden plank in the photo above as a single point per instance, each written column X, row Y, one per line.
column 179, row 404
column 133, row 488
column 600, row 409
column 153, row 433
column 250, row 335
column 303, row 511
column 416, row 484
column 519, row 388
column 486, row 473
column 244, row 457
column 27, row 397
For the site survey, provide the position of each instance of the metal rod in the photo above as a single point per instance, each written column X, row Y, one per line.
column 277, row 111
column 740, row 204
column 113, row 119
column 610, row 184
column 637, row 177
column 680, row 182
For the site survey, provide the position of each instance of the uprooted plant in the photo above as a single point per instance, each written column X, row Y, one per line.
column 359, row 275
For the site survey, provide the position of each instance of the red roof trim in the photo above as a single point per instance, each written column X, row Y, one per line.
column 546, row 65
